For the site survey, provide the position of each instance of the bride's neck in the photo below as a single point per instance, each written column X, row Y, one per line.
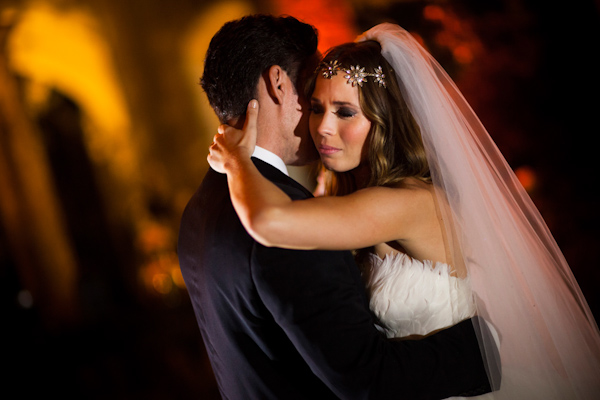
column 361, row 175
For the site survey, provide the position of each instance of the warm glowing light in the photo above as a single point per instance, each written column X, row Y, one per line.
column 154, row 238
column 64, row 50
column 455, row 34
column 333, row 19
column 434, row 13
column 162, row 273
column 527, row 177
column 162, row 283
column 462, row 54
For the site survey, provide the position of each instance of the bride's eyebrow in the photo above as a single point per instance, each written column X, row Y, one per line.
column 335, row 102
column 344, row 103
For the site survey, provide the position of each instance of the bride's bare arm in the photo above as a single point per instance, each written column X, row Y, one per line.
column 364, row 218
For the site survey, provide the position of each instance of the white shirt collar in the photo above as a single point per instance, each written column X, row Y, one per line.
column 270, row 158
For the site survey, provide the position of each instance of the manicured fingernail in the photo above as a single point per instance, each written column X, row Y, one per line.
column 253, row 103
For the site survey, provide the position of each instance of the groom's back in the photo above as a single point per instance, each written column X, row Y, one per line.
column 250, row 354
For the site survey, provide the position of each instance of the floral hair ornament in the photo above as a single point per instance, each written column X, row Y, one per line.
column 355, row 74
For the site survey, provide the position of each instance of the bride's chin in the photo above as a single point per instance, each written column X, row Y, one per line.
column 330, row 167
column 338, row 165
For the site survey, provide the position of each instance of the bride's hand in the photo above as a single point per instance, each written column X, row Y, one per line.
column 231, row 145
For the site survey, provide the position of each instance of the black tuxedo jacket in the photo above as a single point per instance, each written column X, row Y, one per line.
column 289, row 324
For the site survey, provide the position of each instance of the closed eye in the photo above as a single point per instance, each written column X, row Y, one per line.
column 345, row 113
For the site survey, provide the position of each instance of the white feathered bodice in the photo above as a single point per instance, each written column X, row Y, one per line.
column 410, row 297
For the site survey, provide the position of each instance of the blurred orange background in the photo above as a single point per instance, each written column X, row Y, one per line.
column 104, row 132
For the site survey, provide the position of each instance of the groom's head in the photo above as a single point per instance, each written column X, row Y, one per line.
column 242, row 50
column 266, row 58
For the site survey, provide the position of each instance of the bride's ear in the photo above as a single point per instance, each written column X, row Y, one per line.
column 277, row 83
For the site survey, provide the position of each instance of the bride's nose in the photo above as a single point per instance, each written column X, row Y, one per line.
column 327, row 126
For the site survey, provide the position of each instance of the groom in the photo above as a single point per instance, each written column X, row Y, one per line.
column 289, row 324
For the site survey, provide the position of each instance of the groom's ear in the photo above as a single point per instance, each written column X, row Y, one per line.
column 277, row 85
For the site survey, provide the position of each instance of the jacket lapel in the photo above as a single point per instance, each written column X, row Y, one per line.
column 279, row 178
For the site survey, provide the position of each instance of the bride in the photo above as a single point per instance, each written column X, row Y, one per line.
column 439, row 223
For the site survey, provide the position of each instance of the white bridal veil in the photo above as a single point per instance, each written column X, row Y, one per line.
column 549, row 340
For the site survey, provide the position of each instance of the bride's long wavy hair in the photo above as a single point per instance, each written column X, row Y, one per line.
column 395, row 148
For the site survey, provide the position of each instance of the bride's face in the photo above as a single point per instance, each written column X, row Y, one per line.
column 337, row 124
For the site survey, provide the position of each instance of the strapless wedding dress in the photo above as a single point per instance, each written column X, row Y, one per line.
column 411, row 297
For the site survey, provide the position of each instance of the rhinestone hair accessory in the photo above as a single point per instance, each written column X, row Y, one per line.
column 355, row 75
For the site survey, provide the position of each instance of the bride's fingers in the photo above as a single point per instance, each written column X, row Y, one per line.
column 222, row 139
column 228, row 134
column 250, row 129
column 214, row 153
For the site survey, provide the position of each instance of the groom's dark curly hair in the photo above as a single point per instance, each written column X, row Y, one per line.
column 243, row 49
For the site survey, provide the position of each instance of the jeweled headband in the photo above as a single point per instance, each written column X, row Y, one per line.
column 355, row 74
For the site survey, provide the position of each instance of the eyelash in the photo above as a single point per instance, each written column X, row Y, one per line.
column 342, row 113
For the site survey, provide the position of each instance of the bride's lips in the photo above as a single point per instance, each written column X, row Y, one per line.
column 327, row 149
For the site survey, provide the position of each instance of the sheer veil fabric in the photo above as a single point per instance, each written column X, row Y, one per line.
column 523, row 286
